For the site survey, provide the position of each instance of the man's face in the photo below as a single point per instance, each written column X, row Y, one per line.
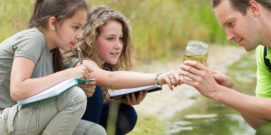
column 243, row 29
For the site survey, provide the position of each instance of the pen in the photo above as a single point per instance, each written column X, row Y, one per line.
column 80, row 55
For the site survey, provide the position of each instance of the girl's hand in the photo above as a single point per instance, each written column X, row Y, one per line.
column 171, row 78
column 89, row 88
column 132, row 99
column 82, row 71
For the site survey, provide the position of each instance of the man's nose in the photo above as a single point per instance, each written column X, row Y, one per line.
column 230, row 35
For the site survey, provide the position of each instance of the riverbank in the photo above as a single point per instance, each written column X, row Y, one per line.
column 165, row 103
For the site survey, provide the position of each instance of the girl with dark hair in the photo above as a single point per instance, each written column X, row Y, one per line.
column 30, row 62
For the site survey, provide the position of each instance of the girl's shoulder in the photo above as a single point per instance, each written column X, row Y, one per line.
column 29, row 43
column 24, row 35
column 31, row 33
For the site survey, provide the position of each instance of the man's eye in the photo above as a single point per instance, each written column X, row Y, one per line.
column 231, row 24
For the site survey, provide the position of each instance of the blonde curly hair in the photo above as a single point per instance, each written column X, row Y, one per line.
column 96, row 19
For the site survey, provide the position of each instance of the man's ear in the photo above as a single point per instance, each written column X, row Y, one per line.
column 254, row 7
column 52, row 23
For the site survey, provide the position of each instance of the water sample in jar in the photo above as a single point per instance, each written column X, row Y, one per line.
column 196, row 51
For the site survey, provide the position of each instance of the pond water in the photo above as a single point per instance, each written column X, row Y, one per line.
column 208, row 117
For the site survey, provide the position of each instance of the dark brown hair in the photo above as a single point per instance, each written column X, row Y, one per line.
column 61, row 10
column 242, row 5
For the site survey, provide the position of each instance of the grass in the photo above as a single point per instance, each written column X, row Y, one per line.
column 165, row 26
column 14, row 16
column 160, row 28
column 149, row 125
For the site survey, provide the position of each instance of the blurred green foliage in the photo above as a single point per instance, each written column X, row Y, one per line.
column 14, row 16
column 149, row 125
column 160, row 28
column 265, row 129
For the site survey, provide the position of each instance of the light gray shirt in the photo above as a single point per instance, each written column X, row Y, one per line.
column 29, row 44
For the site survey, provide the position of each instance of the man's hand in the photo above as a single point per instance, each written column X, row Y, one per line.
column 224, row 80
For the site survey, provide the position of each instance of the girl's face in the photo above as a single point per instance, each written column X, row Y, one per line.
column 110, row 42
column 69, row 32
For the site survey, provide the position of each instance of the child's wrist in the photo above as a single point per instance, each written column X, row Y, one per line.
column 156, row 81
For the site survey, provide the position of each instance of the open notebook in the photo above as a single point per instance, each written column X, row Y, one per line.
column 123, row 92
column 54, row 91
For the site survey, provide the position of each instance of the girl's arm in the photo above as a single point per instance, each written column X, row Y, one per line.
column 23, row 86
column 129, row 79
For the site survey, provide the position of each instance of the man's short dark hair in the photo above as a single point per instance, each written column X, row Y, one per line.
column 241, row 5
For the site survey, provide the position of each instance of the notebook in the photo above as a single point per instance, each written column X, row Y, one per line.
column 123, row 92
column 54, row 90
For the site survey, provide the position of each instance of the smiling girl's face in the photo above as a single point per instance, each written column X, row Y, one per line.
column 110, row 42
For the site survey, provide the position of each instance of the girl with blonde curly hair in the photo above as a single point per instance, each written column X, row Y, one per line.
column 107, row 49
